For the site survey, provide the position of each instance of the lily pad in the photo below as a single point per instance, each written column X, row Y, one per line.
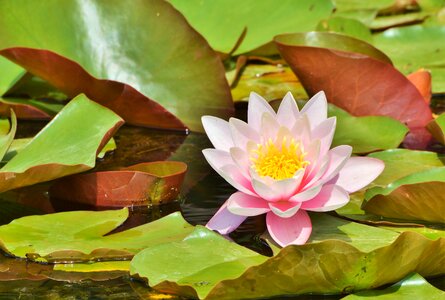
column 326, row 265
column 82, row 236
column 412, row 287
column 365, row 82
column 141, row 59
column 437, row 128
column 270, row 81
column 346, row 26
column 6, row 138
column 30, row 109
column 414, row 47
column 222, row 22
column 10, row 73
column 410, row 188
column 62, row 148
column 142, row 184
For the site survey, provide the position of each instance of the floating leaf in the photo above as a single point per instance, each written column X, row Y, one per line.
column 98, row 266
column 30, row 109
column 414, row 47
column 366, row 134
column 346, row 26
column 10, row 73
column 410, row 188
column 67, row 145
column 365, row 82
column 330, row 266
column 270, row 81
column 385, row 22
column 411, row 287
column 437, row 128
column 79, row 235
column 141, row 184
column 222, row 22
column 7, row 138
column 127, row 70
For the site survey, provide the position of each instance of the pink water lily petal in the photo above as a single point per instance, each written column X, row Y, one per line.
column 295, row 230
column 246, row 205
column 316, row 109
column 269, row 127
column 242, row 133
column 358, row 172
column 257, row 106
column 317, row 172
column 277, row 190
column 330, row 198
column 223, row 164
column 288, row 111
column 338, row 157
column 306, row 194
column 301, row 130
column 284, row 209
column 241, row 159
column 218, row 132
column 224, row 221
column 325, row 133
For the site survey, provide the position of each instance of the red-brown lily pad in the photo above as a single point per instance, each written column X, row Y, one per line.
column 141, row 184
column 355, row 76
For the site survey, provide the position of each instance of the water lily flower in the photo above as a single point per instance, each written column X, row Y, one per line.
column 282, row 166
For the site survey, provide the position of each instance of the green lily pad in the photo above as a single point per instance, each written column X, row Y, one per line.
column 412, row 287
column 67, row 145
column 10, row 73
column 79, row 235
column 345, row 5
column 6, row 138
column 346, row 26
column 270, row 81
column 366, row 134
column 200, row 261
column 384, row 22
column 97, row 266
column 410, row 188
column 414, row 47
column 141, row 59
column 342, row 257
column 222, row 22
column 437, row 128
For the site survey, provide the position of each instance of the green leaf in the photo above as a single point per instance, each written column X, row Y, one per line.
column 342, row 256
column 270, row 81
column 346, row 26
column 7, row 138
column 366, row 134
column 82, row 235
column 98, row 266
column 410, row 188
column 67, row 145
column 201, row 260
column 10, row 73
column 437, row 128
column 132, row 57
column 222, row 22
column 412, row 287
column 414, row 47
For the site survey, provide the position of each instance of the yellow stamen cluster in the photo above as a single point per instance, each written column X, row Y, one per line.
column 278, row 162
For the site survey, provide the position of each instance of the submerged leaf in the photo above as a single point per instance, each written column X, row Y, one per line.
column 67, row 145
column 141, row 184
column 82, row 235
column 141, row 59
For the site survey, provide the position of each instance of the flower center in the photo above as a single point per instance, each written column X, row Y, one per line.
column 278, row 162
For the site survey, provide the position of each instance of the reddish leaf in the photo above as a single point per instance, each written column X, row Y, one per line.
column 60, row 71
column 23, row 111
column 141, row 184
column 355, row 76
